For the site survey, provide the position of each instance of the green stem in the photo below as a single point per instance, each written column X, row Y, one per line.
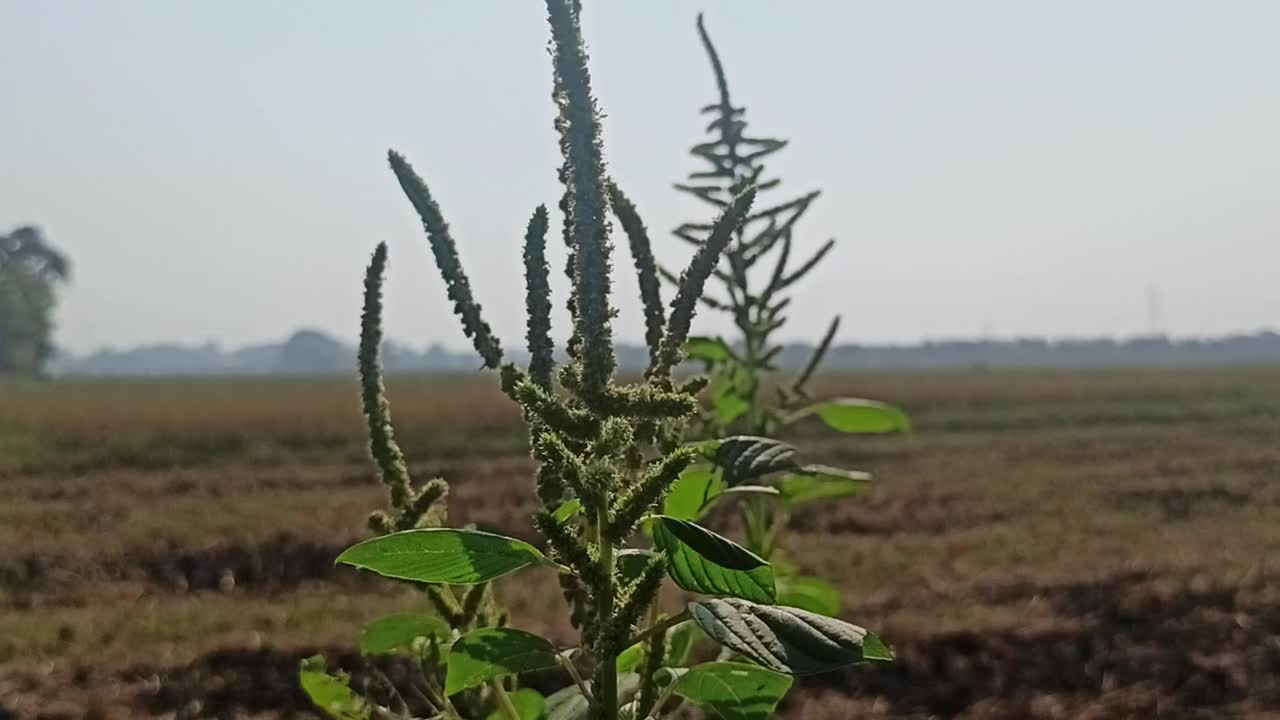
column 504, row 700
column 662, row 626
column 438, row 695
column 606, row 693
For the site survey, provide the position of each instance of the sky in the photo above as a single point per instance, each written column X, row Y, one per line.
column 217, row 171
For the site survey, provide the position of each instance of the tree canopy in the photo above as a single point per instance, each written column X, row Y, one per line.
column 30, row 270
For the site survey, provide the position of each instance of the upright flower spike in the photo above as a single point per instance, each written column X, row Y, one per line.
column 538, row 298
column 655, row 317
column 695, row 277
column 373, row 395
column 445, row 251
column 584, row 174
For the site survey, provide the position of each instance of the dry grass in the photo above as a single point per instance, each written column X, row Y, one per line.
column 1046, row 544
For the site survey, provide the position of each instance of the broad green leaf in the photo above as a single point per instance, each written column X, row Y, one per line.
column 680, row 641
column 695, row 486
column 707, row 349
column 819, row 482
column 487, row 653
column 703, row 562
column 729, row 405
column 631, row 562
column 631, row 658
column 442, row 555
column 530, row 705
column 567, row 510
column 786, row 639
column 744, row 457
column 569, row 704
column 331, row 693
column 808, row 593
column 855, row 415
column 396, row 633
column 734, row 691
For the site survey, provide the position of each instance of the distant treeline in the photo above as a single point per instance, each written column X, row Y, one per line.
column 312, row 352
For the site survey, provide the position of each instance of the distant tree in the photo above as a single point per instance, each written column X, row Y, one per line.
column 30, row 270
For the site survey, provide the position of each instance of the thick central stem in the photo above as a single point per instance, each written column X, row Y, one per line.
column 606, row 691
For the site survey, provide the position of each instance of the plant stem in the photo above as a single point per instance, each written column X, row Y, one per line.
column 438, row 696
column 607, row 693
column 566, row 662
column 504, row 700
column 662, row 626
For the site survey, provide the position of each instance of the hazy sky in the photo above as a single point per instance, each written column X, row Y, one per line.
column 216, row 170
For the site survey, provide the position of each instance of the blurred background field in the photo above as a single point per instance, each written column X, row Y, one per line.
column 1045, row 545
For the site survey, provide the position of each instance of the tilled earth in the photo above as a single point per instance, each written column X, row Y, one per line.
column 1093, row 565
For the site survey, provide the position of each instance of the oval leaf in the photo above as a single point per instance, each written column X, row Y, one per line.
column 529, row 704
column 442, row 555
column 808, row 593
column 567, row 510
column 680, row 642
column 734, row 691
column 703, row 562
column 695, row 487
column 630, row 659
column 629, row 563
column 729, row 405
column 786, row 639
column 331, row 693
column 819, row 482
column 709, row 350
column 856, row 415
column 396, row 633
column 744, row 457
column 488, row 653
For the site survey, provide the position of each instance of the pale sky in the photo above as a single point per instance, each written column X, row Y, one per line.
column 216, row 170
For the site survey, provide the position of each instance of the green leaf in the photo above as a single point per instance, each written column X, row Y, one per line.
column 786, row 639
column 808, row 593
column 729, row 405
column 743, row 457
column 487, row 653
column 819, row 482
column 630, row 562
column 695, row 486
column 680, row 641
column 442, row 555
column 567, row 510
column 734, row 691
column 396, row 633
column 855, row 415
column 631, row 658
column 758, row 490
column 530, row 705
column 331, row 693
column 703, row 562
column 709, row 350
column 569, row 704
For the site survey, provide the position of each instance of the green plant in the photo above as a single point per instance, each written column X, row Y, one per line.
column 756, row 275
column 608, row 455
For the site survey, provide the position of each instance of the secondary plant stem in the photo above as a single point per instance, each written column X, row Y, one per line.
column 504, row 700
column 607, row 693
column 662, row 626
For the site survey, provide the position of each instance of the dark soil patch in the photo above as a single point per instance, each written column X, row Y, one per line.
column 1132, row 645
column 1127, row 646
column 1181, row 503
column 922, row 515
column 278, row 564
